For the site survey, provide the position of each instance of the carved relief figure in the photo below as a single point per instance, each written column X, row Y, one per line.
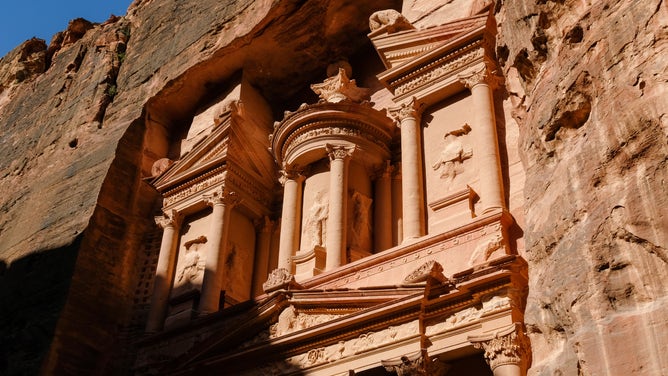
column 454, row 153
column 485, row 249
column 317, row 220
column 191, row 262
column 361, row 222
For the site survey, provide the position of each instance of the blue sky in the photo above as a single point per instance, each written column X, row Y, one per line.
column 21, row 20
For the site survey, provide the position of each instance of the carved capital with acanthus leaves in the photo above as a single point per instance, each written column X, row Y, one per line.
column 483, row 75
column 170, row 218
column 290, row 174
column 340, row 88
column 407, row 110
column 222, row 196
column 341, row 152
column 508, row 345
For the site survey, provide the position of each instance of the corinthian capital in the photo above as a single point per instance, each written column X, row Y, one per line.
column 222, row 196
column 339, row 151
column 288, row 173
column 170, row 218
column 506, row 346
column 411, row 109
column 483, row 75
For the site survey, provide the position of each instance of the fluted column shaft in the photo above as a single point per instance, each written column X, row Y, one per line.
column 290, row 216
column 338, row 196
column 164, row 272
column 222, row 202
column 487, row 142
column 383, row 209
column 408, row 117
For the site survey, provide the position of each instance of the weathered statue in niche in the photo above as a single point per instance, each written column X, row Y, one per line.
column 316, row 222
column 360, row 230
column 192, row 266
column 453, row 155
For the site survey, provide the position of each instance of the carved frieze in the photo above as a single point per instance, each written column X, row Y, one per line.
column 466, row 316
column 194, row 186
column 446, row 66
column 486, row 248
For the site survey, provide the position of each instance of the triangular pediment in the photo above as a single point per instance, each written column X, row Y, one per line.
column 398, row 48
column 208, row 153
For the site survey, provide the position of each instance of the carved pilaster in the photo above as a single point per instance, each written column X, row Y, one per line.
column 170, row 218
column 222, row 196
column 507, row 346
column 339, row 152
column 407, row 110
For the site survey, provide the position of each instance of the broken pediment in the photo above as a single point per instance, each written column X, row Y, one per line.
column 427, row 63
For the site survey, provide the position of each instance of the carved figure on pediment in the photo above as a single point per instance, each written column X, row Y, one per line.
column 286, row 321
column 192, row 267
column 485, row 249
column 453, row 154
column 391, row 19
column 361, row 222
column 316, row 222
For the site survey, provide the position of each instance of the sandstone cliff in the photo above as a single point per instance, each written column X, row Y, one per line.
column 588, row 81
column 82, row 122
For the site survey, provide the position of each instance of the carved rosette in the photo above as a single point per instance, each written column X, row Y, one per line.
column 506, row 346
column 170, row 218
column 407, row 110
column 340, row 152
column 222, row 196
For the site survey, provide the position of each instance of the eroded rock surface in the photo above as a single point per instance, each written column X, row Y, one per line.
column 588, row 81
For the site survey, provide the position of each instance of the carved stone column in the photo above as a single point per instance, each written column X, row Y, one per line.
column 506, row 350
column 164, row 272
column 397, row 213
column 222, row 200
column 290, row 216
column 408, row 117
column 264, row 228
column 335, row 243
column 487, row 143
column 382, row 222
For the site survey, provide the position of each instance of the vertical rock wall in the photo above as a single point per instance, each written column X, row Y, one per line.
column 588, row 81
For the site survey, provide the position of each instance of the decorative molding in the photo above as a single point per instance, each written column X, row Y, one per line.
column 290, row 320
column 195, row 186
column 465, row 194
column 443, row 67
column 508, row 345
column 467, row 315
column 170, row 218
column 337, row 128
column 486, row 248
